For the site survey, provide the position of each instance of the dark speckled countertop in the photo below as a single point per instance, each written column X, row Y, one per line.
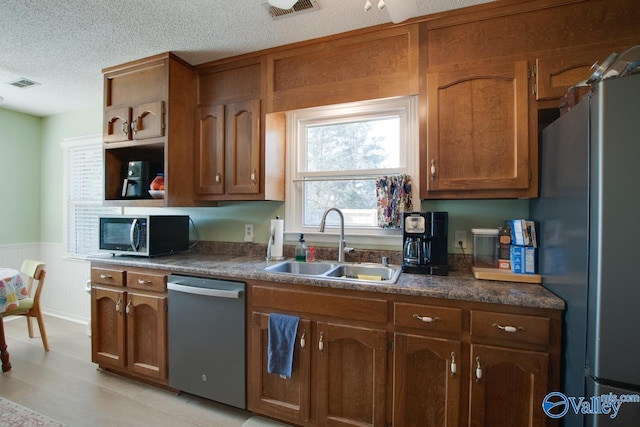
column 458, row 285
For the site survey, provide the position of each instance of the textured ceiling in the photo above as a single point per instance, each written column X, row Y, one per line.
column 65, row 44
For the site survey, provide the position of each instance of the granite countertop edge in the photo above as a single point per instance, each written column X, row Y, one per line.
column 458, row 285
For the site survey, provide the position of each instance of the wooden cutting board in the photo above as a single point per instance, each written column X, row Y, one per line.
column 504, row 275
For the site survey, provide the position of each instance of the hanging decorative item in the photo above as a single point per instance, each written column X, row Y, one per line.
column 393, row 195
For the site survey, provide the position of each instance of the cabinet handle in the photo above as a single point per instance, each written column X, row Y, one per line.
column 509, row 328
column 106, row 276
column 253, row 177
column 478, row 369
column 433, row 169
column 118, row 304
column 454, row 367
column 125, row 128
column 218, row 178
column 321, row 342
column 144, row 282
column 426, row 319
column 303, row 341
column 128, row 308
column 134, row 126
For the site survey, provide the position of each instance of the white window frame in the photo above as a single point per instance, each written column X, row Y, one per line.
column 406, row 107
column 88, row 142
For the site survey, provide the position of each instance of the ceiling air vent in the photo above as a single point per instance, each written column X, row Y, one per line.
column 301, row 6
column 23, row 83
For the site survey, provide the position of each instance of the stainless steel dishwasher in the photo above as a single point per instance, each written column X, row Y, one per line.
column 206, row 338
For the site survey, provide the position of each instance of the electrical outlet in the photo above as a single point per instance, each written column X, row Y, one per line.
column 460, row 236
column 248, row 232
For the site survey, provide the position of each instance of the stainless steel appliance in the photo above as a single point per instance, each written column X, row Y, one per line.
column 424, row 242
column 136, row 181
column 587, row 211
column 144, row 235
column 207, row 338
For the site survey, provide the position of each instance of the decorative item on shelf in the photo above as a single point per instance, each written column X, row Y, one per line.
column 393, row 194
column 157, row 187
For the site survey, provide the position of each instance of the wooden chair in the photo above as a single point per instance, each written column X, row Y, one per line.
column 30, row 307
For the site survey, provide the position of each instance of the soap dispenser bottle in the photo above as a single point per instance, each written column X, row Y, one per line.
column 301, row 249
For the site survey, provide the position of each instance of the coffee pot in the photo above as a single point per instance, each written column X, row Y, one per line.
column 424, row 246
column 136, row 181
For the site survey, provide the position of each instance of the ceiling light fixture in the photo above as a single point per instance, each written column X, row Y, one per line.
column 283, row 4
column 399, row 10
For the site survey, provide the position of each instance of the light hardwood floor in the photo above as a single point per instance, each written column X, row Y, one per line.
column 65, row 385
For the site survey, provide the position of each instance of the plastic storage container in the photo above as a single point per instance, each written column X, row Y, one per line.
column 485, row 247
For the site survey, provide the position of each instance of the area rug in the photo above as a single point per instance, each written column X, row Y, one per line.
column 14, row 415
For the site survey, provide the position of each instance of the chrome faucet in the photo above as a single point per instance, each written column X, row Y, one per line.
column 341, row 243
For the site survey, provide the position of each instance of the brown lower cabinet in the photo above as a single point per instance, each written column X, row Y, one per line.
column 368, row 359
column 129, row 322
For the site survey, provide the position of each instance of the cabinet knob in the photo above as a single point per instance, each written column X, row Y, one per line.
column 433, row 169
column 321, row 342
column 105, row 276
column 144, row 282
column 303, row 341
column 125, row 128
column 218, row 178
column 134, row 126
column 253, row 177
column 426, row 319
column 118, row 304
column 128, row 308
column 454, row 367
column 509, row 328
column 478, row 369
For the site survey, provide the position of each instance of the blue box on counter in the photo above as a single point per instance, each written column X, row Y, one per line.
column 523, row 232
column 524, row 259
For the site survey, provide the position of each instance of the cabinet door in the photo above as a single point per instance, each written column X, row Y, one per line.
column 117, row 125
column 148, row 120
column 243, row 147
column 477, row 136
column 210, row 150
column 351, row 368
column 510, row 388
column 427, row 379
column 108, row 327
column 270, row 394
column 147, row 334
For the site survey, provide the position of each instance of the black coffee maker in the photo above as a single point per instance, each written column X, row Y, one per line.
column 136, row 181
column 424, row 242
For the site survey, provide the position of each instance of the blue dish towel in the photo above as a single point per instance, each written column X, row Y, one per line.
column 282, row 338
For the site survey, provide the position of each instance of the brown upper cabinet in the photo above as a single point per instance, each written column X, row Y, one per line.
column 146, row 104
column 361, row 66
column 477, row 131
column 239, row 150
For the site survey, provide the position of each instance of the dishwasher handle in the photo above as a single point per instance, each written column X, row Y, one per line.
column 220, row 293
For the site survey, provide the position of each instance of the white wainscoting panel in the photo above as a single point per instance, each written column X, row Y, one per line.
column 64, row 293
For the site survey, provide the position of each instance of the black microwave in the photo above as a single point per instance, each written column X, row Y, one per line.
column 144, row 235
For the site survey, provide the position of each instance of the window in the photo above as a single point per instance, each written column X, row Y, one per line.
column 336, row 154
column 83, row 194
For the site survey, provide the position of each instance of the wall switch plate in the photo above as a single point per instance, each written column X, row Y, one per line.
column 248, row 232
column 460, row 236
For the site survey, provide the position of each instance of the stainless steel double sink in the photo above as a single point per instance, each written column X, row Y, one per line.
column 361, row 272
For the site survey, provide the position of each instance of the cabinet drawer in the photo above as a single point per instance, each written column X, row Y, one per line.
column 147, row 281
column 107, row 276
column 510, row 327
column 427, row 317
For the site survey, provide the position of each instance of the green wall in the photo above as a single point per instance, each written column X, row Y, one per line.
column 40, row 195
column 20, row 188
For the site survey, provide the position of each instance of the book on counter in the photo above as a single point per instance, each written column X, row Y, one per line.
column 524, row 244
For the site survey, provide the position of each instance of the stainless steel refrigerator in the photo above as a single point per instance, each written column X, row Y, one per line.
column 589, row 220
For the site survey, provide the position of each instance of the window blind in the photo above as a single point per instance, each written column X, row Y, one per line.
column 83, row 196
